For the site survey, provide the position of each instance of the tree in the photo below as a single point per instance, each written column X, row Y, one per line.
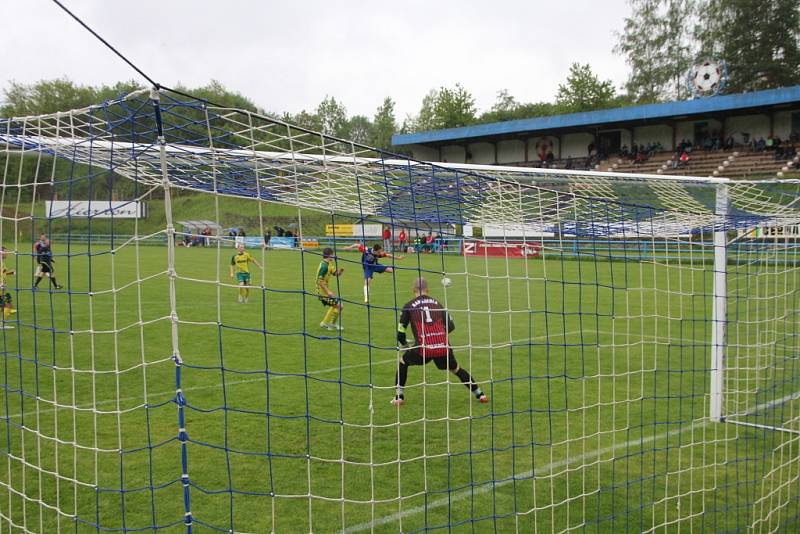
column 508, row 108
column 583, row 91
column 658, row 46
column 332, row 117
column 60, row 94
column 454, row 108
column 758, row 39
column 359, row 129
column 504, row 108
column 425, row 119
column 384, row 125
column 217, row 93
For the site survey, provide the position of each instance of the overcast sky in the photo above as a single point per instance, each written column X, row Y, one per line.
column 287, row 56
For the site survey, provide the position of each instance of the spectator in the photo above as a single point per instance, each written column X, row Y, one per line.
column 387, row 239
column 708, row 144
column 569, row 164
column 417, row 244
column 729, row 142
column 769, row 143
column 206, row 236
column 402, row 239
column 640, row 158
column 760, row 145
column 267, row 238
column 427, row 245
column 684, row 159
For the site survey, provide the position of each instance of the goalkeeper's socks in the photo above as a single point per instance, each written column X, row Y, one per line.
column 477, row 392
column 366, row 293
column 399, row 392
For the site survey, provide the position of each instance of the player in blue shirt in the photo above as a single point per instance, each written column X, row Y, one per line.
column 370, row 263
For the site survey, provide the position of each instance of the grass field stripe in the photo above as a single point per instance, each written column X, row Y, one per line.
column 485, row 488
column 212, row 386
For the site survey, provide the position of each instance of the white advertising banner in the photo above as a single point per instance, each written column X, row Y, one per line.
column 100, row 209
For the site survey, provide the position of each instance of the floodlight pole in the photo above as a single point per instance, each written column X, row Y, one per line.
column 719, row 306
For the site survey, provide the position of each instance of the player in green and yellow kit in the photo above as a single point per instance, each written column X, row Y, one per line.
column 240, row 267
column 6, row 307
column 327, row 268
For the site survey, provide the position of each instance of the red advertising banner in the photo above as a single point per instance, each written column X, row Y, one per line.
column 507, row 249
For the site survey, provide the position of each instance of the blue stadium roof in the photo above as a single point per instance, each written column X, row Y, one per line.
column 649, row 112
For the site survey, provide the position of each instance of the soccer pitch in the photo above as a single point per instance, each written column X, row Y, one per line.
column 597, row 371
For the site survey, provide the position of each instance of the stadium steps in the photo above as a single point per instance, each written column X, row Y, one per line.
column 740, row 164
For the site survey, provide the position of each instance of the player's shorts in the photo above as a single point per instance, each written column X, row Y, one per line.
column 369, row 270
column 243, row 278
column 414, row 357
column 328, row 301
column 45, row 267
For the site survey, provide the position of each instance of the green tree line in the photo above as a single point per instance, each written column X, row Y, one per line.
column 758, row 39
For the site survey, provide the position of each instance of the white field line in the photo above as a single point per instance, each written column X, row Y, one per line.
column 541, row 471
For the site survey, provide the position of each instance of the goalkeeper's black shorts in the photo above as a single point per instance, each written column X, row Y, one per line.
column 414, row 357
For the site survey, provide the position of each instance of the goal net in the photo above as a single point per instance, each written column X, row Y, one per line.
column 635, row 337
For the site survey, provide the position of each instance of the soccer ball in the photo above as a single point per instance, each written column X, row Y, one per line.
column 446, row 282
column 706, row 78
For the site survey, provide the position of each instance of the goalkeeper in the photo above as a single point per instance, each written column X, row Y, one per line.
column 430, row 324
column 240, row 266
column 327, row 297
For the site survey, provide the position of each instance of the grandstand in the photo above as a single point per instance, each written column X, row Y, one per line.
column 602, row 140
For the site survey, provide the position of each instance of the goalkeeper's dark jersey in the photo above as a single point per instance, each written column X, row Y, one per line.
column 429, row 324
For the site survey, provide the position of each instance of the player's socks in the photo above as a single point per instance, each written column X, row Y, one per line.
column 400, row 378
column 398, row 400
column 466, row 379
column 36, row 283
column 54, row 283
column 366, row 293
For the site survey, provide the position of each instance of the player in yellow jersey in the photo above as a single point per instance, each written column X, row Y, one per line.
column 5, row 297
column 240, row 267
column 327, row 268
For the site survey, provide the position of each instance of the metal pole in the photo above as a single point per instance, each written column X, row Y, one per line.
column 719, row 308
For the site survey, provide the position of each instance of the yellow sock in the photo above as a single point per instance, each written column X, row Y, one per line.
column 329, row 315
column 334, row 314
column 247, row 292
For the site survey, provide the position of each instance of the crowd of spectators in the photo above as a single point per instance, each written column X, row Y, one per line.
column 782, row 149
column 639, row 154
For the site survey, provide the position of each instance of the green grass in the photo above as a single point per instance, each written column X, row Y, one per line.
column 186, row 206
column 597, row 373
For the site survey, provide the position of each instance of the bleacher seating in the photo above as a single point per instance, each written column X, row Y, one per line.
column 741, row 162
